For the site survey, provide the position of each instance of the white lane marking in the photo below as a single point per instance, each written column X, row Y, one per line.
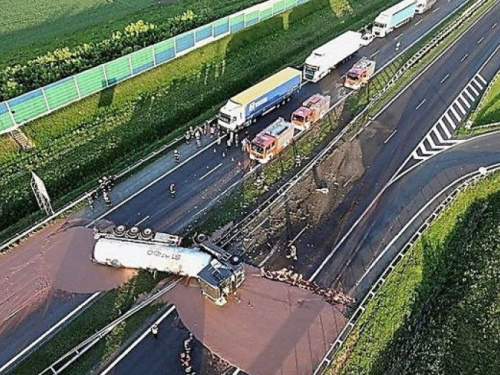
column 236, row 372
column 418, row 22
column 136, row 342
column 417, row 156
column 390, row 136
column 410, row 222
column 435, row 10
column 434, row 145
column 396, row 175
column 49, row 331
column 421, row 104
column 153, row 182
column 494, row 25
column 480, row 40
column 375, row 53
column 457, row 103
column 481, row 78
column 438, row 135
column 469, row 95
column 466, row 102
column 142, row 221
column 399, row 36
column 456, row 115
column 473, row 89
column 445, row 78
column 210, row 171
column 424, row 151
column 465, row 56
column 445, row 129
column 478, row 83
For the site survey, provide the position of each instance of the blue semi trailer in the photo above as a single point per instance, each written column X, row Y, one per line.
column 394, row 17
column 241, row 110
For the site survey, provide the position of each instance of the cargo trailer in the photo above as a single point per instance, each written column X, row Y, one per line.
column 243, row 109
column 325, row 58
column 394, row 17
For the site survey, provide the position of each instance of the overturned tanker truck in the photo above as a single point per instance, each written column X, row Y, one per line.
column 218, row 272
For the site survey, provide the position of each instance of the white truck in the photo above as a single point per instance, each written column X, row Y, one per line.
column 243, row 109
column 218, row 272
column 424, row 5
column 325, row 58
column 394, row 17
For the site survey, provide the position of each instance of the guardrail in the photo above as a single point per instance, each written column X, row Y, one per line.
column 472, row 177
column 71, row 356
column 40, row 102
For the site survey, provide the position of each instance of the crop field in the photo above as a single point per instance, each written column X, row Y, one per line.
column 32, row 28
column 438, row 312
column 104, row 133
column 489, row 110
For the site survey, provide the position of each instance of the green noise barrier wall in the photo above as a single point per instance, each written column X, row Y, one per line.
column 27, row 107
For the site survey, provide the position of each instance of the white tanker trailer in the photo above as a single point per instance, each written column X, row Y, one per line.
column 218, row 272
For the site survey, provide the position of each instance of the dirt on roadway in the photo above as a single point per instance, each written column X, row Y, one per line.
column 308, row 204
column 270, row 328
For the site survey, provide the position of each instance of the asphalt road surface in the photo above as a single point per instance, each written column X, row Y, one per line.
column 411, row 120
column 209, row 174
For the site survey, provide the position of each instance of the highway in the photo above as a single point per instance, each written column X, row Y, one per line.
column 207, row 175
column 411, row 121
column 406, row 196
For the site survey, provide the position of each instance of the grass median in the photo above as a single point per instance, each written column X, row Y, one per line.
column 101, row 134
column 437, row 313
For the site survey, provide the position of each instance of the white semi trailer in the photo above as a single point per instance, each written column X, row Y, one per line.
column 325, row 58
column 218, row 272
column 394, row 17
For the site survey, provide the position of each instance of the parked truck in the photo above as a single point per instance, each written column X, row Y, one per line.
column 394, row 17
column 312, row 110
column 424, row 5
column 241, row 110
column 360, row 73
column 271, row 141
column 218, row 272
column 325, row 58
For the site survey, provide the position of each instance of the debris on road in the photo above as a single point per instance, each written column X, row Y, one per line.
column 295, row 279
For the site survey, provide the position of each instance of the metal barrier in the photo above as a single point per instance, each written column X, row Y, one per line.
column 40, row 102
column 464, row 181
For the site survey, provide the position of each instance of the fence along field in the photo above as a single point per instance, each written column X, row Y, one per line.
column 20, row 110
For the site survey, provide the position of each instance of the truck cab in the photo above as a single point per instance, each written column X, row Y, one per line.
column 360, row 73
column 271, row 141
column 313, row 109
column 231, row 116
column 302, row 118
column 380, row 26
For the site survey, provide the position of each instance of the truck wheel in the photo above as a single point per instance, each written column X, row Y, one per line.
column 288, row 99
column 278, row 105
column 283, row 102
column 254, row 120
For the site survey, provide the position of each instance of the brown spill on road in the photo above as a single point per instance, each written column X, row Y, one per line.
column 56, row 258
column 272, row 328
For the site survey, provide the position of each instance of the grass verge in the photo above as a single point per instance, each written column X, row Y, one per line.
column 437, row 313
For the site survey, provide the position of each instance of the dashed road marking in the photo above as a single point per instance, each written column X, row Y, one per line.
column 421, row 104
column 480, row 40
column 445, row 78
column 210, row 171
column 465, row 56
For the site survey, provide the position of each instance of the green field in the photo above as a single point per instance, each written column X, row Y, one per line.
column 489, row 110
column 32, row 28
column 439, row 310
column 104, row 133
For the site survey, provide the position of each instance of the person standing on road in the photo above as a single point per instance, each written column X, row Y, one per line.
column 177, row 156
column 212, row 131
column 187, row 136
column 172, row 190
column 154, row 330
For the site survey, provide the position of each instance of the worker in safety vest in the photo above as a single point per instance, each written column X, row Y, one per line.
column 177, row 156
